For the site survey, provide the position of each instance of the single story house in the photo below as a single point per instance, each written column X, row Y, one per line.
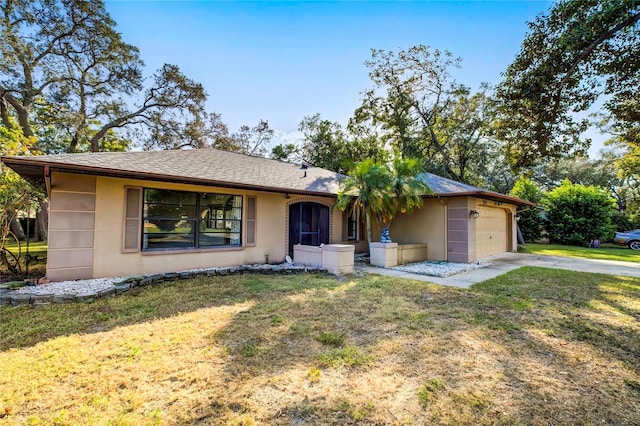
column 127, row 213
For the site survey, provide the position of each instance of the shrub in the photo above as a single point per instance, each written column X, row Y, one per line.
column 621, row 222
column 577, row 214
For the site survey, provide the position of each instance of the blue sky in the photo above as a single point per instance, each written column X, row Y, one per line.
column 281, row 61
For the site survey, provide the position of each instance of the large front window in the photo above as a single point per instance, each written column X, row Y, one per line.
column 190, row 220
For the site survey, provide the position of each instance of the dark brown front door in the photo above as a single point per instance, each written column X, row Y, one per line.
column 308, row 224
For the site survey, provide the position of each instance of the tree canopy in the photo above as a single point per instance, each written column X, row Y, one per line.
column 418, row 110
column 572, row 56
column 64, row 69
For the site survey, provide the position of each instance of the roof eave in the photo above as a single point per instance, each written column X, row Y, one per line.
column 20, row 164
column 494, row 196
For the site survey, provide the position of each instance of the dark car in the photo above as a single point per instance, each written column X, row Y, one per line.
column 629, row 238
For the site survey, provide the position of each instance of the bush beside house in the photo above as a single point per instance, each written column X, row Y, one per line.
column 577, row 214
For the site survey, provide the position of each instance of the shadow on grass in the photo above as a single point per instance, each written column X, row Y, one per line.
column 534, row 346
column 28, row 325
column 512, row 350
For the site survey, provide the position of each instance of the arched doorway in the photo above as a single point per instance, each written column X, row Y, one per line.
column 308, row 224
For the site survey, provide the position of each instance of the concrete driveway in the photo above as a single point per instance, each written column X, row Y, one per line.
column 505, row 262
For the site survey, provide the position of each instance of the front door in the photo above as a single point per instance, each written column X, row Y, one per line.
column 308, row 225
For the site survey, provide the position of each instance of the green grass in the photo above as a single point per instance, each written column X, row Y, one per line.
column 609, row 252
column 37, row 267
column 427, row 393
column 348, row 356
column 331, row 339
column 36, row 248
column 314, row 349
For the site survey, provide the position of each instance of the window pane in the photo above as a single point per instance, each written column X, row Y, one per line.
column 167, row 241
column 221, row 220
column 169, row 211
column 169, row 197
column 213, row 239
column 169, row 226
column 176, row 219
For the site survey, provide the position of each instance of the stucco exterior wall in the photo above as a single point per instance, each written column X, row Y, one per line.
column 451, row 232
column 427, row 225
column 106, row 230
column 468, row 237
column 461, row 230
column 71, row 227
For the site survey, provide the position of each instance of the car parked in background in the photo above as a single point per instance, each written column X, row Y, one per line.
column 629, row 238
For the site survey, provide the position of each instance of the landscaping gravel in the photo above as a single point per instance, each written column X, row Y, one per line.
column 80, row 290
column 439, row 269
column 76, row 288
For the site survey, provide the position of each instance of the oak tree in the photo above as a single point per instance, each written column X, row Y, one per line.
column 579, row 53
column 65, row 59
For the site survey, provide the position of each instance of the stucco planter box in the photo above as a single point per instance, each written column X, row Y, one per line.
column 384, row 255
column 307, row 255
column 410, row 253
column 338, row 259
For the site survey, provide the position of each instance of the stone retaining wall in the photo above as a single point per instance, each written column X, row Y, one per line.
column 119, row 287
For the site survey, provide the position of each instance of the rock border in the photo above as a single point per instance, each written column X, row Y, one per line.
column 126, row 284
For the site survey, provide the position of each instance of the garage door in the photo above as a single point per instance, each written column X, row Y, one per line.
column 491, row 231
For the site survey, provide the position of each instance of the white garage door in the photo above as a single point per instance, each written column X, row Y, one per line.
column 491, row 231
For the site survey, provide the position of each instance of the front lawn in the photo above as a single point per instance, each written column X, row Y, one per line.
column 609, row 252
column 534, row 346
column 37, row 264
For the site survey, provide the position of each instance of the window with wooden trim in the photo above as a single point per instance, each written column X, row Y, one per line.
column 190, row 220
column 251, row 220
column 352, row 225
column 132, row 220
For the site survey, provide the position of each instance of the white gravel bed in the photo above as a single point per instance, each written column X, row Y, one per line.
column 76, row 288
column 439, row 269
column 92, row 286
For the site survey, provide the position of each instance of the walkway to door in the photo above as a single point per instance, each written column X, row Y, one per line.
column 505, row 262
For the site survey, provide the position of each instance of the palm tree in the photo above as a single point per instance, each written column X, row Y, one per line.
column 368, row 190
column 382, row 192
column 407, row 188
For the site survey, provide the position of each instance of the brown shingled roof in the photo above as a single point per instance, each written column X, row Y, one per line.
column 220, row 168
column 203, row 166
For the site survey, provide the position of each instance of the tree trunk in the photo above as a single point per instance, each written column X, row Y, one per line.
column 42, row 222
column 17, row 230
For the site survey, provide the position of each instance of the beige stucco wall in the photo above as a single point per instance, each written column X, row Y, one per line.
column 71, row 223
column 449, row 231
column 108, row 258
column 427, row 225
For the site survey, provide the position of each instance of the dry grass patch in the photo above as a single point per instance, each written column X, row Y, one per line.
column 535, row 346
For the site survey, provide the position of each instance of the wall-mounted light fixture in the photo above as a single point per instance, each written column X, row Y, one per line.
column 286, row 195
column 474, row 214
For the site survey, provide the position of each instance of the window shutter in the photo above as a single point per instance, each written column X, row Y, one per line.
column 132, row 213
column 251, row 221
